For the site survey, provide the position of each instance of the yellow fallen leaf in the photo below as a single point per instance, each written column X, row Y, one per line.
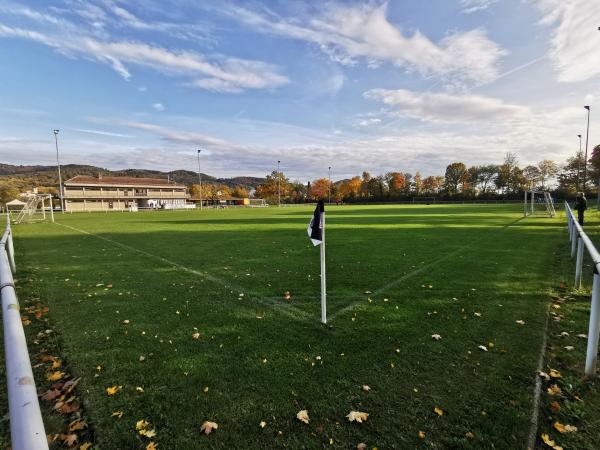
column 357, row 416
column 151, row 446
column 520, row 322
column 438, row 411
column 56, row 364
column 118, row 414
column 366, row 388
column 141, row 425
column 205, row 390
column 140, row 389
column 78, row 424
column 262, row 424
column 148, row 433
column 208, row 427
column 554, row 390
column 302, row 416
column 564, row 428
column 550, row 443
column 85, row 446
column 421, row 435
column 196, row 335
column 55, row 376
column 469, row 435
column 113, row 390
column 554, row 373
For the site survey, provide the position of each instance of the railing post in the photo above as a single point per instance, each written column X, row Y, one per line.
column 579, row 263
column 574, row 243
column 594, row 328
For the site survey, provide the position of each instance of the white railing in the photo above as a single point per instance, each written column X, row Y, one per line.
column 579, row 241
column 26, row 425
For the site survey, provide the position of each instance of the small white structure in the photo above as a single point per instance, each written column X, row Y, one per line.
column 15, row 205
column 538, row 203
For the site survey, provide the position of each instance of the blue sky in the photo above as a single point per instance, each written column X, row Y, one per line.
column 400, row 85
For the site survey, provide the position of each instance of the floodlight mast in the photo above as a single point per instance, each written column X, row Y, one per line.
column 329, row 186
column 278, row 184
column 578, row 163
column 60, row 190
column 587, row 136
column 200, row 178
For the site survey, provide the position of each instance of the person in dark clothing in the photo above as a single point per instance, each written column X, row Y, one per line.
column 580, row 206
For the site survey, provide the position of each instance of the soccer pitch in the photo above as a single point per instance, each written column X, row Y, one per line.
column 124, row 285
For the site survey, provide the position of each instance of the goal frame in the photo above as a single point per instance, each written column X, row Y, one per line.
column 538, row 203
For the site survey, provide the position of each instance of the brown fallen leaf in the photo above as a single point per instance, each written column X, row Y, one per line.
column 357, row 416
column 554, row 390
column 421, row 435
column 208, row 427
column 78, row 424
column 555, row 407
column 469, row 435
column 69, row 439
column 70, row 385
column 51, row 394
column 151, row 446
column 69, row 408
column 302, row 416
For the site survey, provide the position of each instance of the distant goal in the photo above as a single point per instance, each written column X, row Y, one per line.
column 423, row 200
column 539, row 203
column 37, row 207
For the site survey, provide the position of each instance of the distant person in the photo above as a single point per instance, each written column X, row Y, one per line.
column 580, row 206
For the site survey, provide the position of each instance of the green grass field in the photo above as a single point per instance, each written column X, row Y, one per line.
column 467, row 273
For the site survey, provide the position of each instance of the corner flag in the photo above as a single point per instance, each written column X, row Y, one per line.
column 316, row 231
column 315, row 226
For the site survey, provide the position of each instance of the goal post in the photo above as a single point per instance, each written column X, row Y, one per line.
column 38, row 207
column 538, row 203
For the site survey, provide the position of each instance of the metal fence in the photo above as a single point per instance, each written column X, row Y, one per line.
column 579, row 242
column 26, row 425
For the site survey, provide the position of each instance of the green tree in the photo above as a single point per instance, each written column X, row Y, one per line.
column 456, row 174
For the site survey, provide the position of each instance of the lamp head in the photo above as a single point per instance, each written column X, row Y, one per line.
column 199, row 151
column 587, row 107
column 55, row 131
column 579, row 136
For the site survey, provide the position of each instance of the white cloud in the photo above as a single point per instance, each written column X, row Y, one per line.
column 442, row 107
column 348, row 33
column 158, row 107
column 102, row 133
column 218, row 73
column 368, row 122
column 471, row 6
column 575, row 39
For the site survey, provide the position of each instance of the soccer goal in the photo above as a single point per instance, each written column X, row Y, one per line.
column 539, row 203
column 426, row 200
column 37, row 207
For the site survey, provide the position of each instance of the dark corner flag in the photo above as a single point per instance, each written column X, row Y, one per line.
column 316, row 231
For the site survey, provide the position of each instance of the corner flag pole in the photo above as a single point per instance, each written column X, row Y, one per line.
column 323, row 273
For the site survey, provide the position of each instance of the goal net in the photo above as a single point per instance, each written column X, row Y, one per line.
column 37, row 207
column 539, row 203
column 426, row 200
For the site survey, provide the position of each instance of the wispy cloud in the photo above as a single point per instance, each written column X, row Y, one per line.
column 103, row 133
column 472, row 6
column 216, row 73
column 158, row 107
column 347, row 33
column 575, row 39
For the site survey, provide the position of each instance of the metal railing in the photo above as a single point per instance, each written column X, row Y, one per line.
column 26, row 424
column 579, row 241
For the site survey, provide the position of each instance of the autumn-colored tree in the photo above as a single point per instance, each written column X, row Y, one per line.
column 456, row 174
column 418, row 183
column 430, row 185
column 270, row 188
column 396, row 182
column 349, row 189
column 240, row 192
column 319, row 189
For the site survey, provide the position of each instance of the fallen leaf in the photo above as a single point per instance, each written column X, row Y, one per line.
column 148, row 433
column 78, row 424
column 569, row 348
column 550, row 443
column 544, row 375
column 151, row 446
column 421, row 435
column 55, row 376
column 262, row 424
column 564, row 428
column 140, row 389
column 582, row 336
column 436, row 337
column 555, row 407
column 361, row 446
column 357, row 416
column 141, row 425
column 51, row 394
column 438, row 411
column 208, row 427
column 69, row 439
column 483, row 347
column 520, row 322
column 85, row 446
column 302, row 416
column 56, row 364
column 469, row 435
column 366, row 388
column 554, row 373
column 118, row 414
column 554, row 390
column 113, row 390
column 196, row 335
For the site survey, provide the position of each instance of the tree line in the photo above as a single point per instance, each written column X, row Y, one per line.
column 486, row 182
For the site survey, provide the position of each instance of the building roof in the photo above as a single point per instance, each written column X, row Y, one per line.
column 86, row 180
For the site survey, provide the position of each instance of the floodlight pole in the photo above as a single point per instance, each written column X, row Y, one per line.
column 587, row 136
column 200, row 178
column 60, row 190
column 278, row 185
column 578, row 163
column 329, row 187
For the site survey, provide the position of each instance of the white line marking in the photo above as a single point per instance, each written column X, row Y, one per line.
column 537, row 389
column 285, row 308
